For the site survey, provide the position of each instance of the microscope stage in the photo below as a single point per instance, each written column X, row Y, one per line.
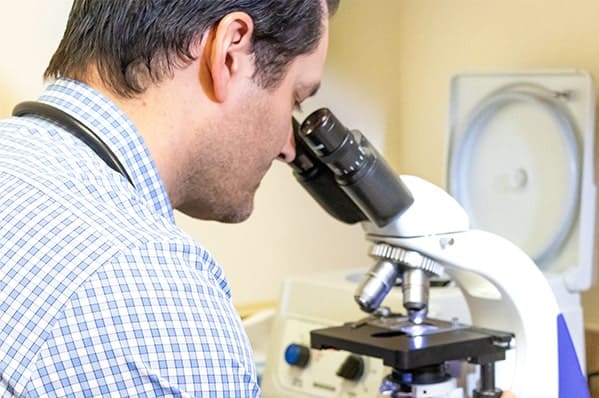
column 400, row 347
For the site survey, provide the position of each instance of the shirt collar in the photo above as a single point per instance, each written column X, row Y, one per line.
column 117, row 131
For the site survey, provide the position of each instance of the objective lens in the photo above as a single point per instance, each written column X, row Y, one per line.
column 373, row 290
column 415, row 294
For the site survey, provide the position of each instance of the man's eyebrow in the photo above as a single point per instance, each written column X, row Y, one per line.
column 315, row 89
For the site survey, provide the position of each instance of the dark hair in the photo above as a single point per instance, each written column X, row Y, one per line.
column 134, row 42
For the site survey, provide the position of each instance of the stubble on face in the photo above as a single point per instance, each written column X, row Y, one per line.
column 230, row 158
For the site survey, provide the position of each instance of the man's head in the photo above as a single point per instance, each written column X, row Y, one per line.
column 238, row 67
column 135, row 43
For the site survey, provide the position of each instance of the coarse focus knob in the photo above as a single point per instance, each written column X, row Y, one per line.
column 352, row 368
column 297, row 355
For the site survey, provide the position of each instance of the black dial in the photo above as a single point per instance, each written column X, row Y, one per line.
column 352, row 368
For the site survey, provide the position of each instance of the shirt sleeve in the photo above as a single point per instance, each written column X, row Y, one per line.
column 154, row 322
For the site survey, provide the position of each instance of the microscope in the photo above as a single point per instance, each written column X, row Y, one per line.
column 518, row 338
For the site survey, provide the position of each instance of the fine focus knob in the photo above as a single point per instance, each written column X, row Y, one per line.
column 297, row 355
column 352, row 368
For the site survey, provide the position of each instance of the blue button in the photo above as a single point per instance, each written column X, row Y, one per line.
column 297, row 355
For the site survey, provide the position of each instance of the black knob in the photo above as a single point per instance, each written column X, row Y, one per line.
column 352, row 368
column 297, row 355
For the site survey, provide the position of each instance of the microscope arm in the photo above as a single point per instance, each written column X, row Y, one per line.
column 503, row 287
column 504, row 291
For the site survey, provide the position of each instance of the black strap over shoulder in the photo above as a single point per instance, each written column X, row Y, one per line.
column 75, row 127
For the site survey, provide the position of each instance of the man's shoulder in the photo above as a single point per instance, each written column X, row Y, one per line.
column 172, row 255
column 151, row 315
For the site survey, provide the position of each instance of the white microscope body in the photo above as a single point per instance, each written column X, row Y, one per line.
column 419, row 230
column 502, row 286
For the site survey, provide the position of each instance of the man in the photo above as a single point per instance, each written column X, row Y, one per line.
column 100, row 293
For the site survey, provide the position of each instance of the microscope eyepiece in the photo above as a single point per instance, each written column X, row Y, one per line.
column 304, row 161
column 319, row 181
column 323, row 132
column 338, row 147
column 357, row 168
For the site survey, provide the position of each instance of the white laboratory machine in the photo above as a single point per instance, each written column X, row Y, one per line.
column 522, row 164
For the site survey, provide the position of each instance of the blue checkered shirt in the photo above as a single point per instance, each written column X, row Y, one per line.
column 100, row 293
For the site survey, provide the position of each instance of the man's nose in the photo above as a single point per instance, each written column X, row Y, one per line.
column 288, row 151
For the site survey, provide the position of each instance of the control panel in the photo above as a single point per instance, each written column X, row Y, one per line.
column 294, row 370
column 324, row 373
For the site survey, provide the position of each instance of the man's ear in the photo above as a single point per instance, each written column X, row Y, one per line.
column 230, row 52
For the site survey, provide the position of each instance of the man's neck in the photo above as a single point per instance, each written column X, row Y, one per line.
column 161, row 115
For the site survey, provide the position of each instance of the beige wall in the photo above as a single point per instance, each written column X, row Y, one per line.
column 29, row 32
